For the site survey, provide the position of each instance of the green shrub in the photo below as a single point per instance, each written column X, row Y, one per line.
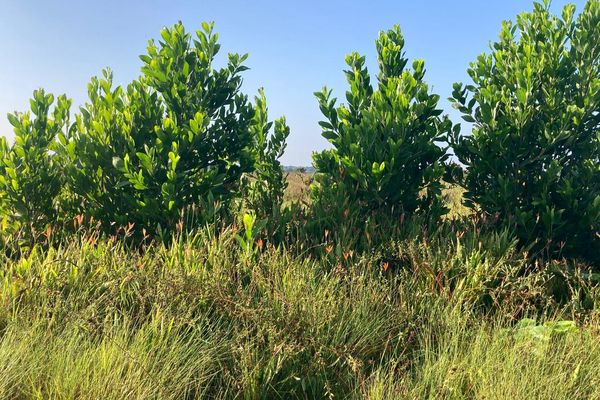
column 30, row 177
column 384, row 158
column 384, row 151
column 263, row 189
column 534, row 156
column 180, row 135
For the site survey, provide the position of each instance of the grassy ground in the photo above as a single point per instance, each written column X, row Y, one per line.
column 298, row 184
column 202, row 319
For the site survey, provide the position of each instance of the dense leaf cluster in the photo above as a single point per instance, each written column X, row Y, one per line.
column 30, row 177
column 180, row 137
column 384, row 153
column 534, row 156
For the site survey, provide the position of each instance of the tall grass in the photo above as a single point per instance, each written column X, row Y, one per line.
column 423, row 317
column 470, row 360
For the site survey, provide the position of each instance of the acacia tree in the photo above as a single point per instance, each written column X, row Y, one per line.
column 30, row 177
column 181, row 134
column 533, row 159
column 384, row 154
column 263, row 189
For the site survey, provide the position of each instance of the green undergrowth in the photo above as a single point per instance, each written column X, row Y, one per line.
column 436, row 316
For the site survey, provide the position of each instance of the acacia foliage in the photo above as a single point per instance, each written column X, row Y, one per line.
column 30, row 177
column 263, row 189
column 384, row 156
column 181, row 135
column 174, row 144
column 533, row 159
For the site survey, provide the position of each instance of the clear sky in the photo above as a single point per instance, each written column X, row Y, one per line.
column 295, row 47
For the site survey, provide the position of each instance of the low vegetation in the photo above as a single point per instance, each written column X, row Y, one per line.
column 443, row 315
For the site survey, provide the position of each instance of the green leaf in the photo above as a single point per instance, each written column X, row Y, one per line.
column 117, row 162
column 522, row 96
column 14, row 121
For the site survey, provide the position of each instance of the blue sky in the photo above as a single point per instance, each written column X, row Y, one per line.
column 295, row 47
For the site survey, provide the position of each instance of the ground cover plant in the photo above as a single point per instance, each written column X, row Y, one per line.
column 153, row 247
column 203, row 318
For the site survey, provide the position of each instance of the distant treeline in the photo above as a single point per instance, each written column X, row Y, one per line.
column 305, row 169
